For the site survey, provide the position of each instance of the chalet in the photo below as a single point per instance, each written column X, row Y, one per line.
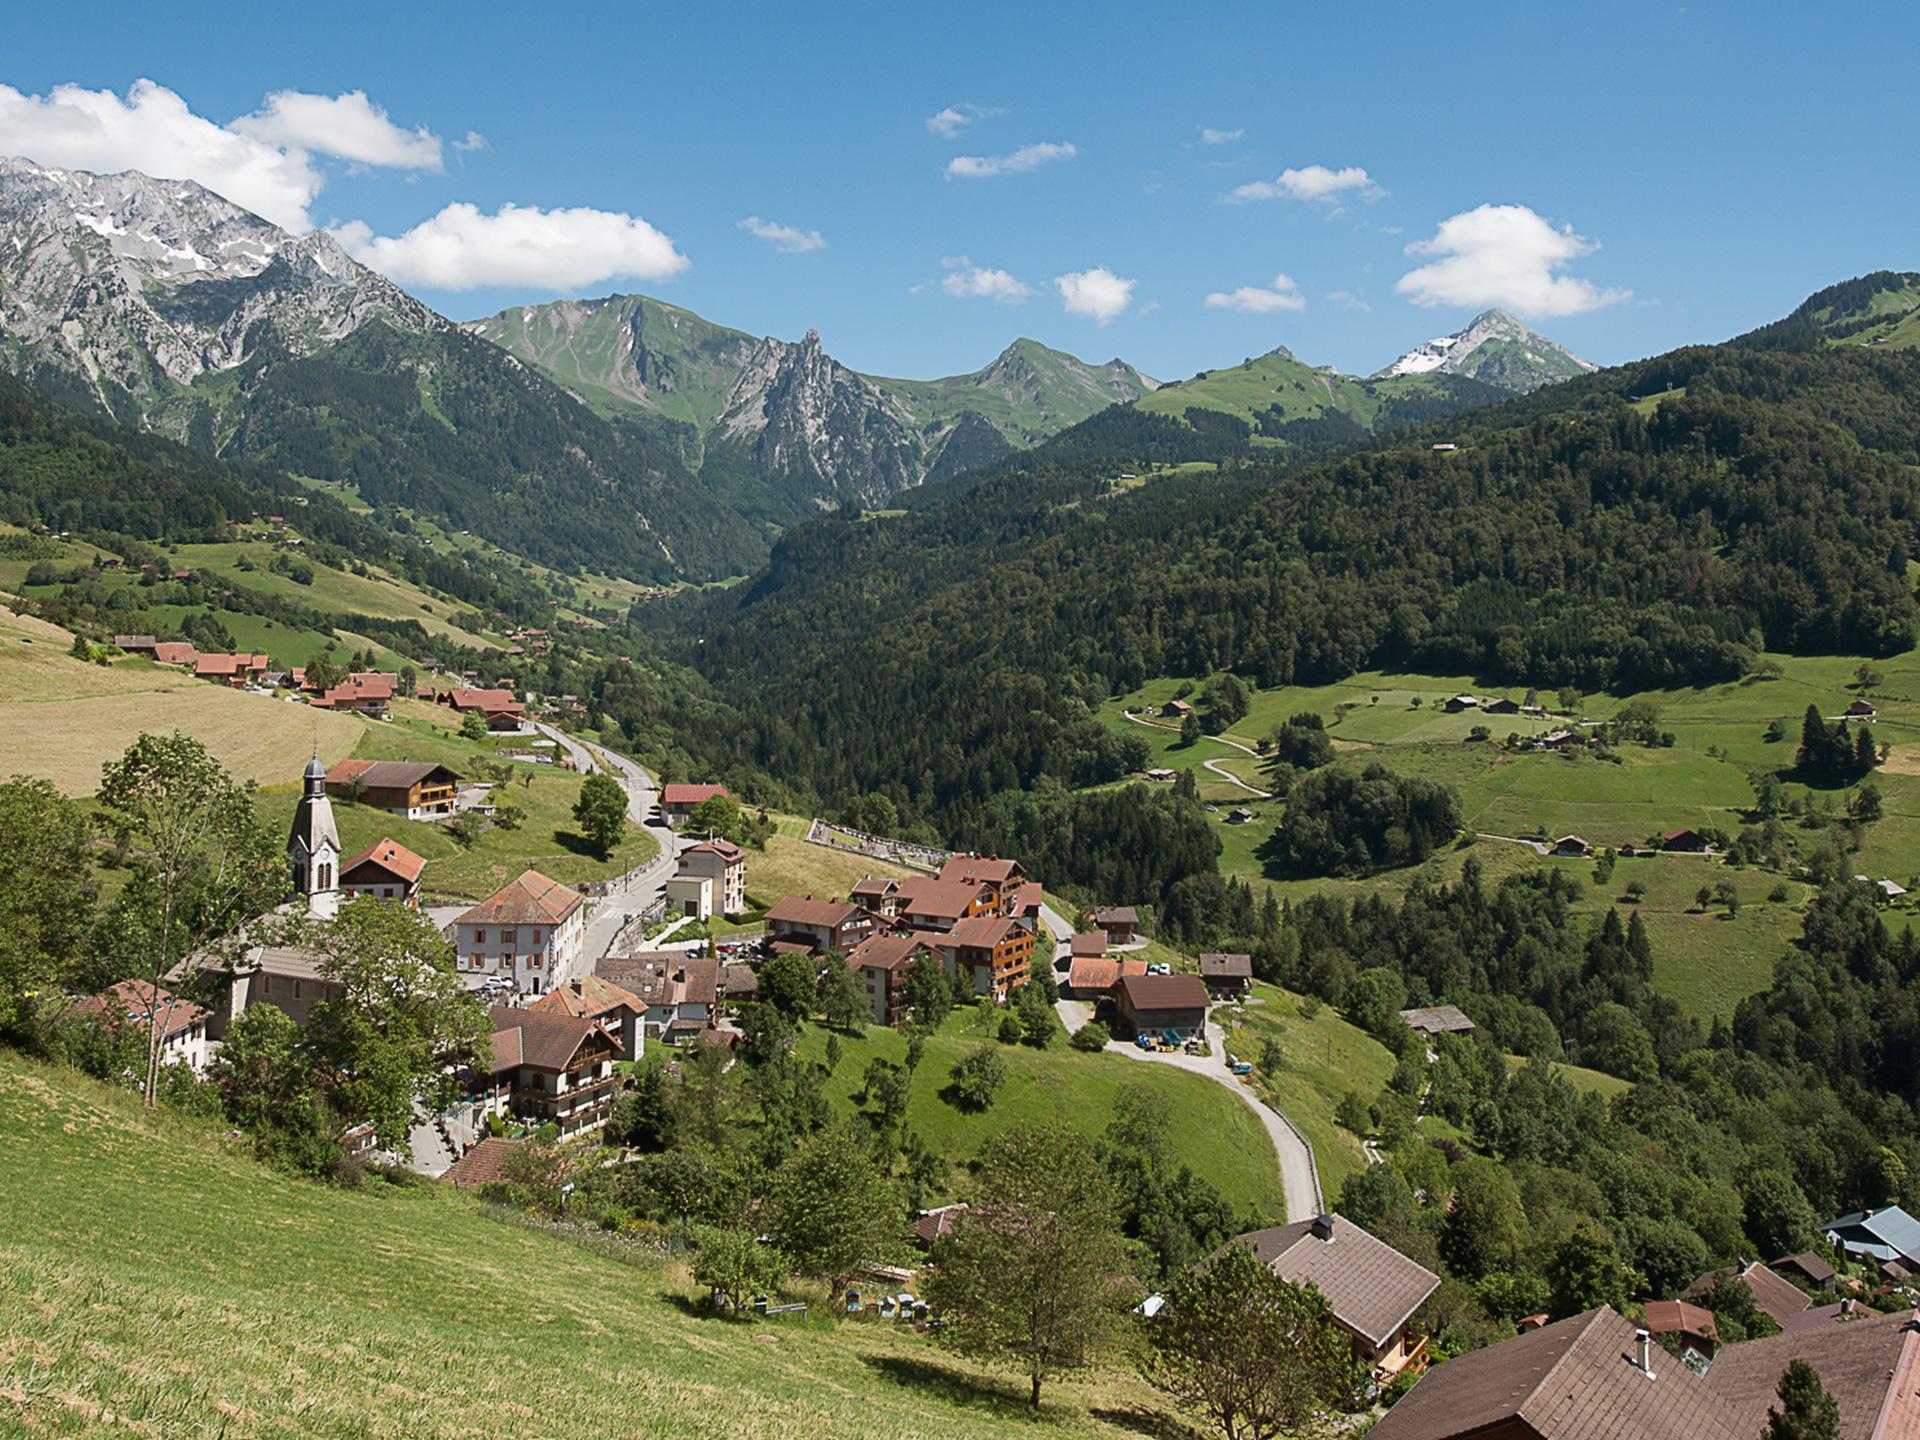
column 1160, row 775
column 876, row 893
column 386, row 870
column 993, row 951
column 367, row 693
column 1597, row 1376
column 1087, row 943
column 1856, row 710
column 1176, row 710
column 1693, row 1327
column 1240, row 816
column 1887, row 1234
column 1501, row 705
column 531, row 930
column 136, row 644
column 141, row 1003
column 1561, row 740
column 1227, row 976
column 555, row 1069
column 615, row 1009
column 881, row 962
column 413, row 789
column 926, row 902
column 1780, row 1298
column 483, row 1164
column 496, row 706
column 1372, row 1289
column 175, row 652
column 677, row 800
column 1438, row 1020
column 1457, row 703
column 1572, row 845
column 678, row 992
column 998, row 880
column 1119, row 921
column 1093, row 977
column 820, row 925
column 1162, row 1004
column 1027, row 903
column 724, row 865
column 1690, row 842
column 234, row 670
column 932, row 1226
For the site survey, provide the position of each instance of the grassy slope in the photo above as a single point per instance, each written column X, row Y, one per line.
column 1325, row 1058
column 154, row 1282
column 64, row 718
column 1705, row 960
column 790, row 866
column 1278, row 379
column 546, row 840
column 1213, row 1133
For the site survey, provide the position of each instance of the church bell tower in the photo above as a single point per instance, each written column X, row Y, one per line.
column 314, row 846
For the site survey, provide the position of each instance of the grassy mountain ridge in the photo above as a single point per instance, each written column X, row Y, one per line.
column 1878, row 309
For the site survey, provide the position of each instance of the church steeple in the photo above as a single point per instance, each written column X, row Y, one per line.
column 314, row 846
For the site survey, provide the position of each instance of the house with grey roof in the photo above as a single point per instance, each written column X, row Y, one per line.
column 1885, row 1236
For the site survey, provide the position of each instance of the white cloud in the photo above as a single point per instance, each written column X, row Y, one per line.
column 1098, row 294
column 1219, row 137
column 967, row 281
column 462, row 249
column 1347, row 300
column 1027, row 157
column 784, row 238
column 954, row 121
column 474, row 141
column 1313, row 182
column 349, row 126
column 1283, row 294
column 1504, row 255
column 153, row 131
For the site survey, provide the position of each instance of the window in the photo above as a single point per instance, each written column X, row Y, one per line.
column 509, row 937
column 296, row 989
column 534, row 960
column 479, row 937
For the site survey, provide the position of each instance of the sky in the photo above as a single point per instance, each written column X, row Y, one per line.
column 1179, row 186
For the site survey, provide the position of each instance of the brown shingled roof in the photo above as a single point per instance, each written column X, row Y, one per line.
column 1165, row 992
column 390, row 855
column 533, row 899
column 885, row 952
column 484, row 1162
column 990, row 869
column 1777, row 1296
column 984, row 931
column 589, row 998
column 1371, row 1286
column 1226, row 967
column 795, row 911
column 941, row 899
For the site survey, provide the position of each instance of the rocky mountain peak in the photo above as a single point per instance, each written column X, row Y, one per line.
column 1495, row 348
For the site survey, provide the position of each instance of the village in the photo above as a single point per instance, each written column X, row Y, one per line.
column 577, row 997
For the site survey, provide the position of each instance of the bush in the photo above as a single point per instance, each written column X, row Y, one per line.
column 1091, row 1037
column 1011, row 1030
column 977, row 1078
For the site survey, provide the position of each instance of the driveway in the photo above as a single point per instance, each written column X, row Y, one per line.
column 1299, row 1177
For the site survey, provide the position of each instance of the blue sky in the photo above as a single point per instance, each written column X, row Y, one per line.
column 1657, row 174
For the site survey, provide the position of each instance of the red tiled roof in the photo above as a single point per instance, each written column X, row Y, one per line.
column 983, row 931
column 139, row 1000
column 885, row 952
column 681, row 793
column 533, row 899
column 940, row 899
column 175, row 652
column 1665, row 1317
column 725, row 849
column 991, row 870
column 589, row 998
column 484, row 1162
column 391, row 856
column 930, row 1225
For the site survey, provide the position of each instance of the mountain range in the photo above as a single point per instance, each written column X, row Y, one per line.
column 624, row 435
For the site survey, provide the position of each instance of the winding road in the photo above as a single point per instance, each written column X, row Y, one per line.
column 1213, row 767
column 1299, row 1176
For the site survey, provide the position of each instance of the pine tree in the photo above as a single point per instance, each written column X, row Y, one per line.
column 1807, row 1411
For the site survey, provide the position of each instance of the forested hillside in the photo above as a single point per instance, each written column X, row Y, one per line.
column 1577, row 537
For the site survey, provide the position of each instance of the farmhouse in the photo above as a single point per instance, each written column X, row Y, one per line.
column 994, row 951
column 1457, row 703
column 233, row 670
column 1093, row 977
column 820, row 925
column 1886, row 1235
column 1119, row 921
column 497, row 707
column 678, row 993
column 1372, row 1289
column 616, row 1010
column 183, row 1024
column 530, row 930
column 414, row 789
column 1501, row 705
column 1689, row 842
column 1157, row 1004
column 1227, row 975
column 677, row 800
column 135, row 644
column 881, row 962
column 555, row 1068
column 723, row 865
column 1572, row 845
column 368, row 692
column 1596, row 1376
column 1438, row 1020
column 1780, row 1298
column 386, row 870
column 1857, row 710
column 1176, row 710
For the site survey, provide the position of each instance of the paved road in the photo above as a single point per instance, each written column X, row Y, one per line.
column 639, row 887
column 1299, row 1178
